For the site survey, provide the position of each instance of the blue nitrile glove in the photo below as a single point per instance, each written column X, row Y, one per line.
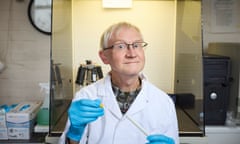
column 81, row 113
column 159, row 139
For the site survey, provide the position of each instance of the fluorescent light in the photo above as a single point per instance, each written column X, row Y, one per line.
column 117, row 3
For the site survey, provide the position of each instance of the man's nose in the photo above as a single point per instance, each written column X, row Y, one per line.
column 131, row 51
column 128, row 46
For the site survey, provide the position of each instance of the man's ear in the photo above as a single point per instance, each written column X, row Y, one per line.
column 103, row 56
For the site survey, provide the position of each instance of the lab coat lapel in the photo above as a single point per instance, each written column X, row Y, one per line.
column 113, row 107
column 139, row 104
column 109, row 99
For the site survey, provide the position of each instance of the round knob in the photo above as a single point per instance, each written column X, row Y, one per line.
column 213, row 95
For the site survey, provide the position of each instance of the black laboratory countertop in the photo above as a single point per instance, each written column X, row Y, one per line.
column 187, row 125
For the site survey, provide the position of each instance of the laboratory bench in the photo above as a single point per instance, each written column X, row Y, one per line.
column 188, row 128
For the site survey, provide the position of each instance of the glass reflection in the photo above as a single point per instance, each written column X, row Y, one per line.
column 61, row 65
column 188, row 68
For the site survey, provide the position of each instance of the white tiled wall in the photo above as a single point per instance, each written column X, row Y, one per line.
column 25, row 52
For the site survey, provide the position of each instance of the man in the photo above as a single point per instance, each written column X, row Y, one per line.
column 123, row 107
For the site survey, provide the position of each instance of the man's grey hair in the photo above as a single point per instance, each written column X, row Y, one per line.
column 107, row 35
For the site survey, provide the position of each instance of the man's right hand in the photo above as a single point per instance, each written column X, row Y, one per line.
column 81, row 113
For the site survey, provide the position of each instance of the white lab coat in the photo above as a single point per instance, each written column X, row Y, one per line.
column 152, row 109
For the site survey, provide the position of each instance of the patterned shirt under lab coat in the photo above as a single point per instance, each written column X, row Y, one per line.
column 152, row 109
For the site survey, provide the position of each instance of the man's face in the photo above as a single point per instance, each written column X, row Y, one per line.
column 127, row 62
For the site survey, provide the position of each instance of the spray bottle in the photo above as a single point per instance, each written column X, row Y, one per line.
column 43, row 114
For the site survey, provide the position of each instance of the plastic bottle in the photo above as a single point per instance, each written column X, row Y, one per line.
column 43, row 114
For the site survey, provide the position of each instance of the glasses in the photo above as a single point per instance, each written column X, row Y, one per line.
column 124, row 46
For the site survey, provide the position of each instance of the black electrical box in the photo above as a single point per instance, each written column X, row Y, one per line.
column 216, row 88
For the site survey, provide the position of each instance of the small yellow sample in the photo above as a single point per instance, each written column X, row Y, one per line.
column 101, row 105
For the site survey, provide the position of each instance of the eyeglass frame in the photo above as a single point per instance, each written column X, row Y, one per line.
column 144, row 44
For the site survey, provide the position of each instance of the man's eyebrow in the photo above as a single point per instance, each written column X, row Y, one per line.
column 119, row 41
